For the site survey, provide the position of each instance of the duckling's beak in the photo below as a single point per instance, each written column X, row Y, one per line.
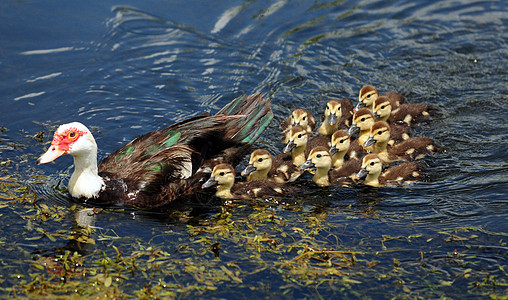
column 209, row 183
column 248, row 169
column 308, row 164
column 289, row 147
column 332, row 119
column 376, row 115
column 333, row 150
column 362, row 174
column 354, row 131
column 369, row 142
column 359, row 105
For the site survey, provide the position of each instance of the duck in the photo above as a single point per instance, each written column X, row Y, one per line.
column 223, row 177
column 320, row 160
column 410, row 149
column 338, row 114
column 368, row 94
column 161, row 166
column 372, row 173
column 363, row 119
column 406, row 114
column 342, row 148
column 263, row 167
column 300, row 117
column 299, row 144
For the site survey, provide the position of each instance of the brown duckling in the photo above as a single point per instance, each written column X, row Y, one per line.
column 368, row 94
column 372, row 167
column 407, row 113
column 342, row 148
column 413, row 148
column 299, row 144
column 338, row 114
column 321, row 160
column 363, row 119
column 263, row 167
column 223, row 176
column 300, row 117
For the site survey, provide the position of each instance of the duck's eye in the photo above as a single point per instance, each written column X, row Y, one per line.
column 327, row 107
column 338, row 108
column 362, row 120
column 221, row 173
column 341, row 141
column 318, row 156
column 383, row 106
column 260, row 159
column 372, row 163
column 300, row 136
column 379, row 132
column 72, row 135
column 303, row 119
column 368, row 96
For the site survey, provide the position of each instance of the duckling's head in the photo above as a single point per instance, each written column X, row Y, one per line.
column 382, row 108
column 260, row 160
column 301, row 117
column 363, row 119
column 371, row 165
column 319, row 158
column 368, row 94
column 340, row 142
column 379, row 133
column 298, row 137
column 223, row 175
column 333, row 112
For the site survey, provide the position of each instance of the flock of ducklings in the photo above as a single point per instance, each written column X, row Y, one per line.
column 369, row 143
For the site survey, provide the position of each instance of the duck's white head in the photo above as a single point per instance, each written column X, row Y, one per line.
column 72, row 138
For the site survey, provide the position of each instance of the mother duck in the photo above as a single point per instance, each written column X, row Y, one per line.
column 163, row 165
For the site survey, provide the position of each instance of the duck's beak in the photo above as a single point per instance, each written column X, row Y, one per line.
column 333, row 150
column 359, row 105
column 332, row 119
column 289, row 147
column 354, row 131
column 308, row 164
column 53, row 153
column 369, row 142
column 248, row 169
column 377, row 116
column 209, row 183
column 362, row 174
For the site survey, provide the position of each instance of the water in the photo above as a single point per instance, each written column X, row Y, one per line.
column 127, row 68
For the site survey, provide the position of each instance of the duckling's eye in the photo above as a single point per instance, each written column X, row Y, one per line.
column 379, row 132
column 341, row 141
column 327, row 107
column 338, row 108
column 72, row 135
column 362, row 119
column 300, row 136
column 303, row 119
column 318, row 156
column 383, row 106
column 221, row 173
column 368, row 96
column 260, row 159
column 372, row 163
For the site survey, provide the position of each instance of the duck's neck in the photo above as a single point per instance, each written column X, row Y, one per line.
column 258, row 175
column 364, row 135
column 326, row 128
column 298, row 155
column 384, row 118
column 224, row 191
column 372, row 179
column 85, row 180
column 338, row 159
column 380, row 147
column 321, row 177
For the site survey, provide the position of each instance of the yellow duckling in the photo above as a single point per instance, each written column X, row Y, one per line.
column 368, row 94
column 299, row 144
column 363, row 119
column 300, row 117
column 372, row 167
column 263, row 167
column 338, row 114
column 223, row 176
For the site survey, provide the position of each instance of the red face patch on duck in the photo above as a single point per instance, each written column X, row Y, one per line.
column 64, row 139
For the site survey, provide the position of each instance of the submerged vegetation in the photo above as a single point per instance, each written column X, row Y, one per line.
column 234, row 249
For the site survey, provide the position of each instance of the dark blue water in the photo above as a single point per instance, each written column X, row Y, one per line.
column 126, row 68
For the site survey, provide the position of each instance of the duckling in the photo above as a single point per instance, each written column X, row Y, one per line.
column 368, row 94
column 321, row 160
column 363, row 119
column 299, row 145
column 342, row 148
column 372, row 167
column 410, row 149
column 300, row 117
column 263, row 167
column 223, row 176
column 337, row 115
column 404, row 113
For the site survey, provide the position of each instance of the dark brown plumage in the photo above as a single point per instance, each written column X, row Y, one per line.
column 407, row 114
